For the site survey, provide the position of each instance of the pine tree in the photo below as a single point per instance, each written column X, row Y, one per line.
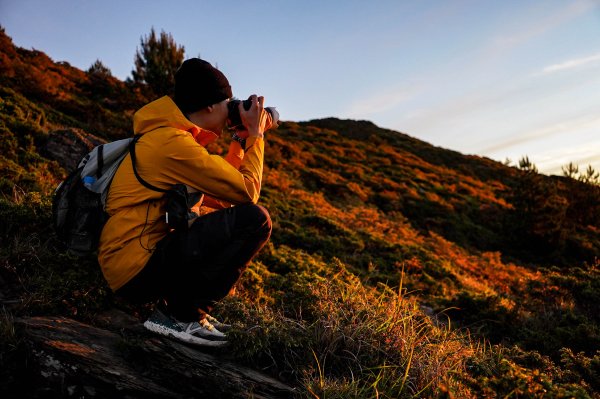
column 527, row 166
column 570, row 170
column 586, row 199
column 156, row 62
column 590, row 176
column 539, row 211
column 99, row 69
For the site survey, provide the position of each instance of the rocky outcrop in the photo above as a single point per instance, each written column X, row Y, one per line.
column 80, row 360
column 68, row 146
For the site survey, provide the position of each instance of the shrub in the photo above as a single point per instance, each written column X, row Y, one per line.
column 342, row 338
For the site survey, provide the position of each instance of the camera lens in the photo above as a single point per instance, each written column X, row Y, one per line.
column 235, row 120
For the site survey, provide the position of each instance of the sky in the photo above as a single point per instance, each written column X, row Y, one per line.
column 500, row 79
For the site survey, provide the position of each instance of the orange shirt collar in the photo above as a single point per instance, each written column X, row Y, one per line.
column 202, row 136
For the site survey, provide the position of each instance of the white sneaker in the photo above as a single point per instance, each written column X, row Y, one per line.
column 203, row 329
column 168, row 326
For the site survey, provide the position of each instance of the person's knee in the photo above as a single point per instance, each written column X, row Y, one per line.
column 267, row 223
column 256, row 216
column 263, row 218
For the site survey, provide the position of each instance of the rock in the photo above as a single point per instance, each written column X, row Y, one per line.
column 80, row 360
column 68, row 146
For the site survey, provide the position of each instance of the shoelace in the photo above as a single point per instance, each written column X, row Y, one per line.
column 204, row 323
column 216, row 323
column 203, row 328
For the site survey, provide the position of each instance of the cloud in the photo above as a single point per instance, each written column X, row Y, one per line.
column 379, row 102
column 580, row 155
column 589, row 160
column 589, row 121
column 570, row 64
column 459, row 109
column 552, row 21
column 499, row 109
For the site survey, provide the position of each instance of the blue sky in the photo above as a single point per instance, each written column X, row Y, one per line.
column 501, row 79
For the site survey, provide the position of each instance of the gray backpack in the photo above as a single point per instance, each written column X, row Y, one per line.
column 79, row 201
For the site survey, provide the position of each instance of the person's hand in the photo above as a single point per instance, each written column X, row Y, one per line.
column 255, row 119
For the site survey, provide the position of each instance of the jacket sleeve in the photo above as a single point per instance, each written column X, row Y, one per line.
column 191, row 164
column 235, row 157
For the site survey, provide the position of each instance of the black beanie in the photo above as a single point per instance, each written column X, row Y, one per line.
column 198, row 84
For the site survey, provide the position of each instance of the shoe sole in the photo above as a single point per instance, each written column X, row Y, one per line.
column 182, row 336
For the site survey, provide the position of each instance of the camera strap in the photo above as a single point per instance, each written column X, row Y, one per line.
column 179, row 201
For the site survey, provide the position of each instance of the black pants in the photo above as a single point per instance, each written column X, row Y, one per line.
column 194, row 269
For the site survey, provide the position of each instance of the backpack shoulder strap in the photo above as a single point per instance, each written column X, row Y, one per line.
column 100, row 161
column 133, row 161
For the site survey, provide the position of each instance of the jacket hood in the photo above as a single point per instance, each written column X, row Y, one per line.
column 161, row 113
column 165, row 113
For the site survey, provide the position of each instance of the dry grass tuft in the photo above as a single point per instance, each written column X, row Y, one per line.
column 345, row 340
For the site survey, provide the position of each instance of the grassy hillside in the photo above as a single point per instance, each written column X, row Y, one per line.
column 396, row 268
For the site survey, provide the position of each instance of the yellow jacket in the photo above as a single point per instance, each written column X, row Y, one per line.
column 169, row 152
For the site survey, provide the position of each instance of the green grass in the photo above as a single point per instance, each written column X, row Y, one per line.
column 336, row 337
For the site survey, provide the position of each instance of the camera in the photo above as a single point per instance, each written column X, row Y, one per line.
column 235, row 120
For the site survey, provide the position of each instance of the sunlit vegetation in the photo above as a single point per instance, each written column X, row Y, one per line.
column 396, row 269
